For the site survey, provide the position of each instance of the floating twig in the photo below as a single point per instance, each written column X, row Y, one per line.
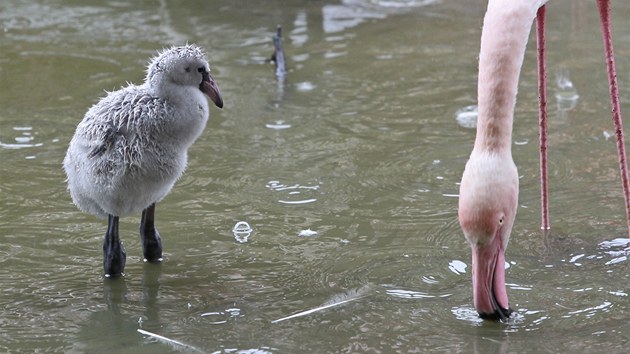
column 320, row 308
column 172, row 342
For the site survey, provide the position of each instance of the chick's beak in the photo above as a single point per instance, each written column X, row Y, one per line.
column 209, row 87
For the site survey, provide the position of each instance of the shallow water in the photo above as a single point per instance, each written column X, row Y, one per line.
column 347, row 175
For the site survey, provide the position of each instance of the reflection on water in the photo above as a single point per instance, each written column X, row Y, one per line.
column 294, row 194
column 328, row 201
column 617, row 249
column 351, row 13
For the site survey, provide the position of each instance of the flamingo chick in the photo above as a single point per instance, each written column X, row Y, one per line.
column 489, row 188
column 131, row 147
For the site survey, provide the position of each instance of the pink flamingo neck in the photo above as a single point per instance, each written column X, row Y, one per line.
column 503, row 41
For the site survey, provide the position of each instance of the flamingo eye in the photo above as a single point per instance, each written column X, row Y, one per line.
column 501, row 221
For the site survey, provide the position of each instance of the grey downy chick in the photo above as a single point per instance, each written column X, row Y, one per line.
column 131, row 147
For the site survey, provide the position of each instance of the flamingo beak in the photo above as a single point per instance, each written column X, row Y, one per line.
column 489, row 293
column 209, row 87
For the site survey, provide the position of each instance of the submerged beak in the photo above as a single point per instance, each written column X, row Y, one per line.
column 488, row 267
column 209, row 87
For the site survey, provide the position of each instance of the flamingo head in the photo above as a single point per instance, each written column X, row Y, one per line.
column 487, row 208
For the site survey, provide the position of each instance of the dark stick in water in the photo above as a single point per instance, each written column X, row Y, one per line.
column 278, row 55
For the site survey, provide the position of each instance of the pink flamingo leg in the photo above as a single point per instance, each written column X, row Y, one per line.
column 604, row 13
column 542, row 116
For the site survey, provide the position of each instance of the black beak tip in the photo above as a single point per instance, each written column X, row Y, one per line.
column 499, row 314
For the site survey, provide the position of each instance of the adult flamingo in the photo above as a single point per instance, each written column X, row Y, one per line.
column 489, row 188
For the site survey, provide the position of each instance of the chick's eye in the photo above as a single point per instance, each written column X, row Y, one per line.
column 187, row 69
column 201, row 69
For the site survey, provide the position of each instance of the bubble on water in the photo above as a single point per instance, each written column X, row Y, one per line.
column 242, row 231
column 566, row 94
column 307, row 233
column 467, row 117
